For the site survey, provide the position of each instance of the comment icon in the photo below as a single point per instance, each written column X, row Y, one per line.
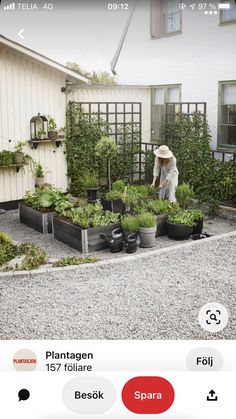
column 23, row 394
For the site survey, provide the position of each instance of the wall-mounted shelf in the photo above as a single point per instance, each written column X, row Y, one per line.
column 15, row 167
column 36, row 143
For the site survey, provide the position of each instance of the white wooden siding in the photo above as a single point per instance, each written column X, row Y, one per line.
column 119, row 94
column 26, row 88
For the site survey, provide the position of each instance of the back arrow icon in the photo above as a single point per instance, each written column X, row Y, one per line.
column 21, row 34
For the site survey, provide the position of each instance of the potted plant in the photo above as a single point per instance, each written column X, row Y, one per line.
column 161, row 208
column 91, row 184
column 52, row 128
column 180, row 225
column 106, row 148
column 19, row 155
column 39, row 174
column 147, row 229
column 130, row 225
column 114, row 199
column 184, row 194
column 41, row 134
column 198, row 216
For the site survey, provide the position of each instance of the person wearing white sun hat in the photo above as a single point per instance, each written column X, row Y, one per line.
column 165, row 165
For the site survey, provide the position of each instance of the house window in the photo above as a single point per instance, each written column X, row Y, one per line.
column 165, row 18
column 228, row 15
column 160, row 96
column 227, row 115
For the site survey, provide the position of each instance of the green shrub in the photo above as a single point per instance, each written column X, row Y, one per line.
column 114, row 195
column 147, row 220
column 34, row 256
column 7, row 252
column 130, row 224
column 7, row 158
column 74, row 260
column 189, row 138
column 5, row 239
column 118, row 185
column 184, row 194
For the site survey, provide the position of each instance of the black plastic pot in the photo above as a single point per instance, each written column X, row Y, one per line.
column 197, row 229
column 179, row 231
column 131, row 243
column 116, row 206
column 92, row 195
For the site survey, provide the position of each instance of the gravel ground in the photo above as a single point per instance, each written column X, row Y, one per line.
column 9, row 222
column 155, row 296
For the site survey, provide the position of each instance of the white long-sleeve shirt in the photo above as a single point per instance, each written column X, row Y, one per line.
column 169, row 172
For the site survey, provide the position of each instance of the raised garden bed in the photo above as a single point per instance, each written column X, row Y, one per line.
column 38, row 220
column 84, row 240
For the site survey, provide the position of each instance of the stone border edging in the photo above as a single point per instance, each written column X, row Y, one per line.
column 130, row 257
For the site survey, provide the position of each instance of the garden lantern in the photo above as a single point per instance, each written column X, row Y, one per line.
column 39, row 127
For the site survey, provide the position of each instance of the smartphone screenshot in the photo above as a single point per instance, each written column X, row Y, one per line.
column 117, row 209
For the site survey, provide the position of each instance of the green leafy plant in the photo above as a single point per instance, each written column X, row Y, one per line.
column 7, row 158
column 41, row 134
column 114, row 195
column 130, row 224
column 182, row 217
column 160, row 207
column 34, row 256
column 52, row 126
column 90, row 180
column 197, row 214
column 118, row 185
column 7, row 249
column 106, row 148
column 82, row 135
column 38, row 169
column 74, row 260
column 91, row 216
column 20, row 146
column 189, row 138
column 47, row 197
column 147, row 220
column 184, row 194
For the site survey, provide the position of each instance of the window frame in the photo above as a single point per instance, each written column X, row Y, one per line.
column 164, row 34
column 220, row 145
column 221, row 14
column 165, row 87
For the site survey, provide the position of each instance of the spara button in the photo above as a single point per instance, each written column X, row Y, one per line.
column 148, row 395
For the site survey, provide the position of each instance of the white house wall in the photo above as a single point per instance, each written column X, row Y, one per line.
column 198, row 58
column 118, row 94
column 27, row 88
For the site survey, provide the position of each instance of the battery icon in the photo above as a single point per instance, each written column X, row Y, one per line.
column 224, row 5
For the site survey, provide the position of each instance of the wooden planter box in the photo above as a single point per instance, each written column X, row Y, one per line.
column 40, row 221
column 84, row 240
column 161, row 225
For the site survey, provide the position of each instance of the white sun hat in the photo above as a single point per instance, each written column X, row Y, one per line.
column 163, row 152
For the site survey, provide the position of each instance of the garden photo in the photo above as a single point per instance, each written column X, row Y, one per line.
column 118, row 174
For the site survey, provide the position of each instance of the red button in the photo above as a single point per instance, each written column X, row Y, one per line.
column 148, row 395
